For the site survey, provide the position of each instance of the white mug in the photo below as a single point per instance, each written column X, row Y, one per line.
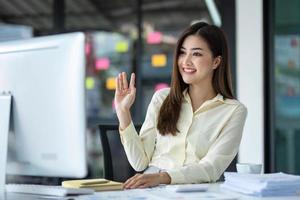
column 248, row 168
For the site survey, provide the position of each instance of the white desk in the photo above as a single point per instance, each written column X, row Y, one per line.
column 157, row 193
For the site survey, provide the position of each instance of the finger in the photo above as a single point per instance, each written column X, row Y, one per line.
column 130, row 183
column 144, row 186
column 138, row 183
column 125, row 83
column 127, row 182
column 117, row 84
column 121, row 82
column 132, row 81
column 139, row 180
column 135, row 182
column 130, row 180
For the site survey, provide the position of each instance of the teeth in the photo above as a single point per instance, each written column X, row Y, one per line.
column 189, row 70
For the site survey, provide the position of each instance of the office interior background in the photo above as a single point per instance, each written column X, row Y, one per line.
column 140, row 35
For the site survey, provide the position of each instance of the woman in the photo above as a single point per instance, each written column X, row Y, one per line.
column 192, row 131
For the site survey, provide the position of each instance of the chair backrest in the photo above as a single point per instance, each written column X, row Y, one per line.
column 230, row 168
column 116, row 165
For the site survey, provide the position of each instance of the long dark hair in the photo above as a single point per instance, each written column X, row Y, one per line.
column 221, row 81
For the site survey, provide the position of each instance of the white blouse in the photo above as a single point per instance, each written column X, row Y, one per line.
column 207, row 141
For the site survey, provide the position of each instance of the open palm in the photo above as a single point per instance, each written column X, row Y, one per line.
column 124, row 94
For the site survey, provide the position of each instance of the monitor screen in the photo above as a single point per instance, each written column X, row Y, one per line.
column 46, row 77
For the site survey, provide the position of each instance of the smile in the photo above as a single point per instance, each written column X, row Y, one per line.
column 189, row 70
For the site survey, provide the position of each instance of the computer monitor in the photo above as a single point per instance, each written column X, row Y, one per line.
column 46, row 77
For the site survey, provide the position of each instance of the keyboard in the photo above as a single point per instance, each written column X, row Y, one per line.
column 48, row 190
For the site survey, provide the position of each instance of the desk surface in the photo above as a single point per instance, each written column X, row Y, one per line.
column 156, row 193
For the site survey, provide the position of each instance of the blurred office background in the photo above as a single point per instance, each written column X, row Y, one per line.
column 140, row 35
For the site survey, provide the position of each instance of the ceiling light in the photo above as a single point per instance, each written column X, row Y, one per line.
column 214, row 13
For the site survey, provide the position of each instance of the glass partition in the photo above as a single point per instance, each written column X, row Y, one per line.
column 286, row 86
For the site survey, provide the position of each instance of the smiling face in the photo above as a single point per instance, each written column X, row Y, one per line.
column 195, row 61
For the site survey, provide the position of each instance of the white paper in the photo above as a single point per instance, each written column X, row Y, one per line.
column 273, row 184
column 161, row 192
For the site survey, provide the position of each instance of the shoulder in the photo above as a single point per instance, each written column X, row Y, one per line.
column 239, row 107
column 160, row 95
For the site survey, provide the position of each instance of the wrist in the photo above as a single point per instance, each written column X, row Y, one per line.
column 164, row 178
column 124, row 119
column 122, row 110
column 124, row 125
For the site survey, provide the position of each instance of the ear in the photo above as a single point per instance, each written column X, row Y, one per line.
column 217, row 62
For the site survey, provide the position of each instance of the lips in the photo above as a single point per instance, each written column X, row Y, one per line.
column 189, row 70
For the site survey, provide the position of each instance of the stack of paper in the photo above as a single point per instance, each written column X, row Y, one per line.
column 274, row 184
column 96, row 184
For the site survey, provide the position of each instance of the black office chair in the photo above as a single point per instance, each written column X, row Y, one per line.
column 116, row 165
column 230, row 168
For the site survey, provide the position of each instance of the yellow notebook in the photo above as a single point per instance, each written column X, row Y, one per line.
column 96, row 184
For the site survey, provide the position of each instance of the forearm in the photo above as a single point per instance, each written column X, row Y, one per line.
column 208, row 169
column 135, row 148
column 124, row 117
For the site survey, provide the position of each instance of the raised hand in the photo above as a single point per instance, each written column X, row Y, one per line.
column 124, row 95
column 124, row 98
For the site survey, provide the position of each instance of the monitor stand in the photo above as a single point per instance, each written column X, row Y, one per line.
column 5, row 108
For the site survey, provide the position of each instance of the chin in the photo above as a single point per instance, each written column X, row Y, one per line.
column 188, row 80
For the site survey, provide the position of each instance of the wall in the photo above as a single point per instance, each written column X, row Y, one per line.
column 250, row 77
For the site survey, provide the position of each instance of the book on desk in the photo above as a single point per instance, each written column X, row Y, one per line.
column 96, row 184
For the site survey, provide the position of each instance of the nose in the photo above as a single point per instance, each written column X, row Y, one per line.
column 187, row 59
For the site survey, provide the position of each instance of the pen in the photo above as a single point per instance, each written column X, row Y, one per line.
column 94, row 182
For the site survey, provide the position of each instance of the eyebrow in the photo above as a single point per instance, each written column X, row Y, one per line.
column 196, row 48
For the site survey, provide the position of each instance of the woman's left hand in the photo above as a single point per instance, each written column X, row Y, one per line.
column 147, row 180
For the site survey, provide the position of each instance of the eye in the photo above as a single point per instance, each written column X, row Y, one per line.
column 181, row 52
column 197, row 54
